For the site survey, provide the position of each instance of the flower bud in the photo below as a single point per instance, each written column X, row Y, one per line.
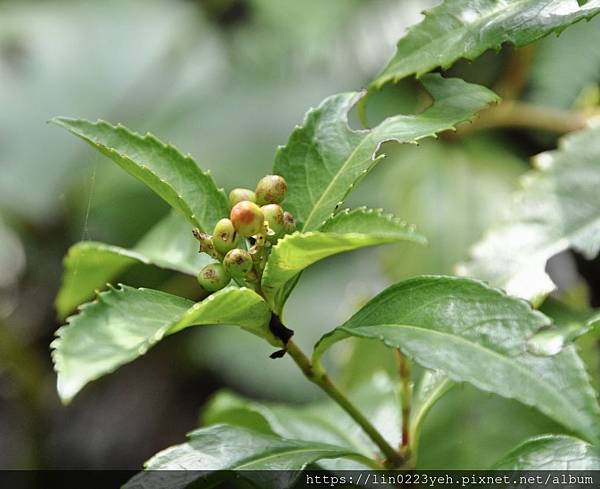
column 224, row 236
column 274, row 216
column 241, row 194
column 213, row 277
column 270, row 190
column 247, row 218
column 289, row 222
column 238, row 263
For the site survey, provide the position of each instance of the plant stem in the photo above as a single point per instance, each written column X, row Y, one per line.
column 405, row 402
column 320, row 378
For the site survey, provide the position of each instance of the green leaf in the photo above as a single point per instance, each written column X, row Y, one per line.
column 174, row 177
column 551, row 452
column 233, row 448
column 324, row 159
column 477, row 334
column 323, row 421
column 123, row 324
column 346, row 231
column 557, row 208
column 90, row 266
column 465, row 29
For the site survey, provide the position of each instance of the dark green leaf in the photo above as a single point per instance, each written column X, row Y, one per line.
column 176, row 178
column 123, row 324
column 477, row 334
column 324, row 159
column 347, row 231
column 552, row 452
column 465, row 29
column 556, row 209
column 90, row 266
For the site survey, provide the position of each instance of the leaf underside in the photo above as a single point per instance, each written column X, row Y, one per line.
column 551, row 452
column 347, row 231
column 174, row 177
column 123, row 324
column 90, row 266
column 324, row 159
column 558, row 207
column 225, row 447
column 477, row 334
column 465, row 29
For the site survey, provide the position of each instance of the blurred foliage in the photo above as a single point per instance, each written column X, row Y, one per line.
column 227, row 81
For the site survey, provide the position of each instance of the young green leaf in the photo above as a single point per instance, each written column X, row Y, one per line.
column 233, row 448
column 174, row 177
column 123, row 324
column 477, row 334
column 557, row 208
column 346, row 231
column 551, row 452
column 464, row 29
column 324, row 159
column 323, row 421
column 89, row 265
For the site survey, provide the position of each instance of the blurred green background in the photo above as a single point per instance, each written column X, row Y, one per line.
column 227, row 80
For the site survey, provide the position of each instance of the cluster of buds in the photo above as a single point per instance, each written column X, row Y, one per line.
column 241, row 243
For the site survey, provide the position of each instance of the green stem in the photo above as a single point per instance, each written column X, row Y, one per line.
column 320, row 378
column 405, row 402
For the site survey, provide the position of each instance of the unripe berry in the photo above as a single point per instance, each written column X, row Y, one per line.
column 238, row 263
column 224, row 236
column 270, row 190
column 289, row 223
column 247, row 218
column 213, row 277
column 274, row 216
column 241, row 194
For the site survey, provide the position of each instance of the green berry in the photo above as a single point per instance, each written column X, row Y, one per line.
column 213, row 277
column 247, row 218
column 274, row 216
column 238, row 263
column 270, row 190
column 224, row 236
column 241, row 194
column 289, row 223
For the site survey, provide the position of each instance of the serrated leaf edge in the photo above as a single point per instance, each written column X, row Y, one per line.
column 381, row 80
column 168, row 147
column 121, row 289
column 316, row 358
